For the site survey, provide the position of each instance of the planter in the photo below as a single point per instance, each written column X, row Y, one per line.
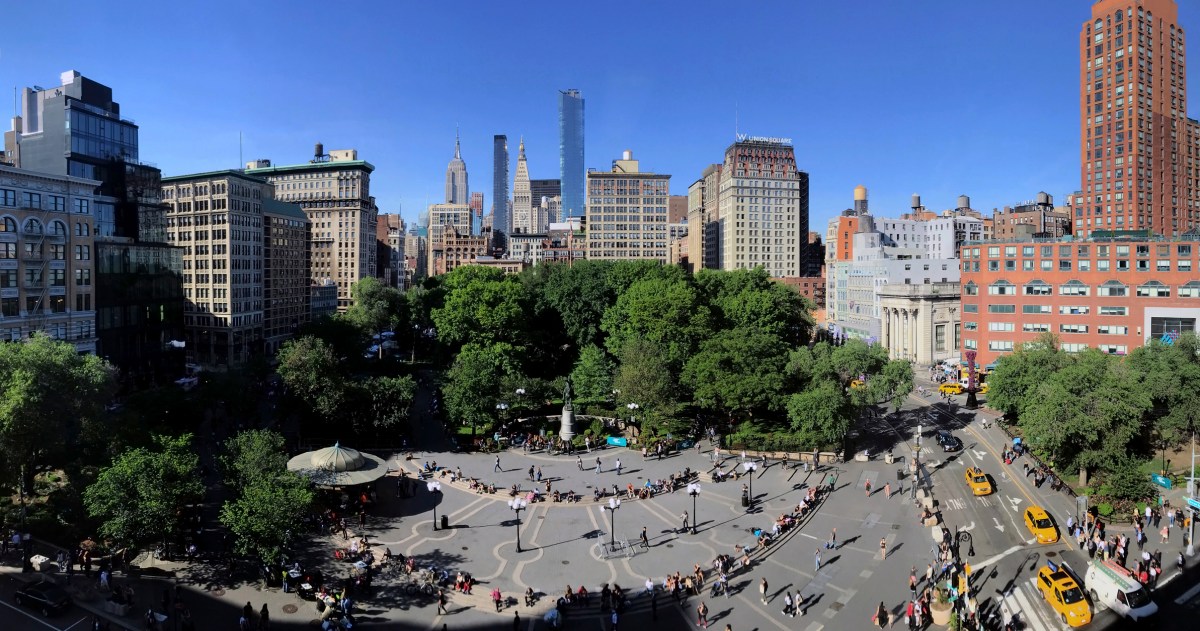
column 940, row 612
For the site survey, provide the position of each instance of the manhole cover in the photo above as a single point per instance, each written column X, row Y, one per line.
column 837, row 605
column 670, row 545
column 735, row 526
column 290, row 608
column 541, row 516
column 218, row 592
column 895, row 526
column 1051, row 553
column 464, row 548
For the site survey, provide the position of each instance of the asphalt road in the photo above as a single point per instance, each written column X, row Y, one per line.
column 16, row 618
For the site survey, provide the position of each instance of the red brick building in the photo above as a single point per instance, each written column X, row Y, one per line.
column 1109, row 293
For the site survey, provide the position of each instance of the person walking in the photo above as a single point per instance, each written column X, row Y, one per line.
column 787, row 604
column 531, row 473
column 887, row 491
column 645, row 539
column 702, row 615
column 497, row 467
column 881, row 616
column 797, row 604
column 618, row 467
column 762, row 589
column 883, row 548
column 912, row 583
column 867, row 486
column 579, row 461
column 516, row 621
column 613, row 625
column 598, row 466
column 441, row 600
column 685, row 521
column 817, row 556
column 832, row 543
column 264, row 618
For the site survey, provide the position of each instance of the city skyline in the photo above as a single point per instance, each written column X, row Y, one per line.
column 865, row 101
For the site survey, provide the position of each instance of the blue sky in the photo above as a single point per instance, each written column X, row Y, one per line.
column 937, row 97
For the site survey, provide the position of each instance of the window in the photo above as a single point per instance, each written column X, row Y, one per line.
column 1002, row 288
column 8, row 279
column 970, row 326
column 1154, row 289
column 31, row 200
column 8, row 197
column 1064, row 265
column 1114, row 311
column 1112, row 289
column 1102, row 265
column 1112, row 330
column 1002, row 309
column 967, row 307
column 1113, row 349
column 1072, row 328
column 7, row 224
column 1000, row 345
column 10, row 307
column 83, row 253
column 1037, row 288
column 58, row 278
column 83, row 277
column 939, row 336
column 1035, row 308
column 1047, row 265
column 1190, row 290
column 1074, row 348
column 8, row 250
column 1073, row 288
column 58, row 252
column 81, row 206
column 1073, row 310
column 1000, row 326
column 969, row 344
column 1033, row 327
column 58, row 203
column 971, row 289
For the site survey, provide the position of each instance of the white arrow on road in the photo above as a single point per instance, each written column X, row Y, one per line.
column 1016, row 501
column 968, row 527
column 979, row 454
column 998, row 526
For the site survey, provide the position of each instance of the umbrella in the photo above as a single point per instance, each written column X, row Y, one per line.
column 338, row 466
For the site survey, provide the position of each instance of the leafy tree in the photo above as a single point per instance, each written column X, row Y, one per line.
column 261, row 517
column 892, row 384
column 138, row 496
column 821, row 414
column 47, row 390
column 1171, row 376
column 377, row 308
column 476, row 380
column 389, row 401
column 1126, row 481
column 312, row 372
column 665, row 312
column 623, row 274
column 738, row 372
column 580, row 294
column 251, row 455
column 482, row 306
column 643, row 378
column 1013, row 385
column 750, row 299
column 592, row 376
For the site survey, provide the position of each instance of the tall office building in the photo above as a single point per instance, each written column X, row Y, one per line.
column 287, row 285
column 334, row 190
column 523, row 220
column 545, row 188
column 476, row 213
column 627, row 212
column 456, row 177
column 217, row 218
column 570, row 152
column 1139, row 149
column 501, row 220
column 704, row 234
column 76, row 129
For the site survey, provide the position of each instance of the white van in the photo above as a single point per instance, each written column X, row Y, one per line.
column 1113, row 586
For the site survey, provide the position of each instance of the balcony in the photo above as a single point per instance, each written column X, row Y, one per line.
column 33, row 256
column 33, row 285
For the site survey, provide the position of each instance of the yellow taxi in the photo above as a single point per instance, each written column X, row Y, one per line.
column 978, row 481
column 1064, row 596
column 1040, row 525
column 950, row 388
column 982, row 389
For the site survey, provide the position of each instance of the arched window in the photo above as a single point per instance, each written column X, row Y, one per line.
column 7, row 224
column 1002, row 288
column 1154, row 289
column 58, row 228
column 1037, row 288
column 1073, row 288
column 33, row 226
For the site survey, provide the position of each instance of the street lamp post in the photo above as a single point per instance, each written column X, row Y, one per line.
column 958, row 539
column 435, row 488
column 633, row 407
column 613, row 505
column 518, row 505
column 750, row 468
column 693, row 489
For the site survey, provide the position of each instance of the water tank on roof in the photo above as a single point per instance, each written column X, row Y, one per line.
column 916, row 201
column 1044, row 199
column 964, row 201
column 319, row 150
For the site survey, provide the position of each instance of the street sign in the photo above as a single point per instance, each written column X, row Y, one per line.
column 1161, row 480
column 1194, row 503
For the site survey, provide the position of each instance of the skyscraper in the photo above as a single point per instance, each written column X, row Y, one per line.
column 1137, row 144
column 523, row 218
column 501, row 222
column 570, row 152
column 456, row 177
column 476, row 213
column 762, row 208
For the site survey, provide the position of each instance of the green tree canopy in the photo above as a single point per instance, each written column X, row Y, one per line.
column 264, row 512
column 643, row 378
column 312, row 372
column 138, row 497
column 667, row 313
column 750, row 299
column 1013, row 384
column 252, row 455
column 377, row 307
column 476, row 380
column 592, row 376
column 821, row 414
column 388, row 401
column 481, row 306
column 738, row 372
column 1170, row 374
column 580, row 294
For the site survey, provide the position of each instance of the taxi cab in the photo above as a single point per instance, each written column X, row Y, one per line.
column 982, row 389
column 978, row 481
column 1064, row 595
column 1040, row 525
column 950, row 388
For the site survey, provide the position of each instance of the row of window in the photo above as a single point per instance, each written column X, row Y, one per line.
column 56, row 203
column 1110, row 289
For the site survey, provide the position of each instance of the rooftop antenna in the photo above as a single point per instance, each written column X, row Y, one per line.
column 735, row 120
column 241, row 163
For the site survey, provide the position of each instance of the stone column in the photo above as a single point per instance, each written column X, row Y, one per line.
column 914, row 323
column 885, row 328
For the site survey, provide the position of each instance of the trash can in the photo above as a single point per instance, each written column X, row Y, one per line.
column 745, row 499
column 899, row 475
column 445, row 522
column 888, row 458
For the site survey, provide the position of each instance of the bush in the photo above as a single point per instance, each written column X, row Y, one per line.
column 1105, row 509
column 1127, row 483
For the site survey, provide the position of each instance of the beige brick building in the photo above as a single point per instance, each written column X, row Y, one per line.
column 46, row 257
column 627, row 213
column 287, row 300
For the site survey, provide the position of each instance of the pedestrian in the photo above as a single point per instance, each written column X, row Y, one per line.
column 797, row 604
column 613, row 627
column 597, row 466
column 762, row 589
column 618, row 466
column 887, row 491
column 883, row 547
column 912, row 583
column 817, row 556
column 702, row 615
column 497, row 467
column 832, row 545
column 867, row 486
column 531, row 473
column 579, row 461
column 1164, row 532
column 496, row 598
column 908, row 614
column 787, row 604
column 516, row 620
column 645, row 539
column 264, row 618
column 685, row 521
column 104, row 579
column 881, row 616
column 441, row 600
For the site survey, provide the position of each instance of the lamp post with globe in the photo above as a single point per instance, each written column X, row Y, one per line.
column 693, row 489
column 613, row 505
column 517, row 505
column 435, row 488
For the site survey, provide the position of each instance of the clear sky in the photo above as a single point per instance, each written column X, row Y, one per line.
column 937, row 97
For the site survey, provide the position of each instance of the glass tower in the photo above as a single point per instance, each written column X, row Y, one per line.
column 570, row 152
column 501, row 223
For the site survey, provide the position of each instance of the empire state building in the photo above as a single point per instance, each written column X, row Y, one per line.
column 456, row 177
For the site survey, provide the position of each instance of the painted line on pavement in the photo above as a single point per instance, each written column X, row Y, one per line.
column 30, row 616
column 1188, row 595
column 993, row 559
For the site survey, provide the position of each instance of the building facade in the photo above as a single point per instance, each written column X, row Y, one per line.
column 445, row 221
column 523, row 218
column 46, row 257
column 334, row 190
column 704, row 225
column 1109, row 292
column 458, row 248
column 920, row 323
column 571, row 154
column 501, row 220
column 627, row 213
column 1038, row 218
column 457, row 190
column 476, row 213
column 217, row 218
column 389, row 233
column 287, row 297
column 324, row 300
column 1138, row 148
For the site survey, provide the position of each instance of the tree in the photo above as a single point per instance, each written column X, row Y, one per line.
column 389, row 401
column 738, row 372
column 265, row 512
column 47, row 390
column 643, row 378
column 892, row 384
column 667, row 313
column 138, row 497
column 580, row 294
column 592, row 376
column 482, row 306
column 251, row 455
column 377, row 308
column 821, row 414
column 1170, row 374
column 1013, row 385
column 476, row 380
column 313, row 373
column 751, row 299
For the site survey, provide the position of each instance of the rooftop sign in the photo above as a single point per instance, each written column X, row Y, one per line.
column 771, row 139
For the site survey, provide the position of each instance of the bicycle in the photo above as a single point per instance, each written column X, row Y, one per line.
column 423, row 584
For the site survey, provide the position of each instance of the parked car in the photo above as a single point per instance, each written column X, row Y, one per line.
column 948, row 441
column 950, row 388
column 43, row 596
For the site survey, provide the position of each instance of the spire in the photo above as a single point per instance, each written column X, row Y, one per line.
column 521, row 151
column 457, row 149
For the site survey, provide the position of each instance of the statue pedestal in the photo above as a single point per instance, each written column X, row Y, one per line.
column 566, row 430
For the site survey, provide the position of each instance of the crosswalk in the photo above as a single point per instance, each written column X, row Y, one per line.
column 1034, row 614
column 960, row 503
